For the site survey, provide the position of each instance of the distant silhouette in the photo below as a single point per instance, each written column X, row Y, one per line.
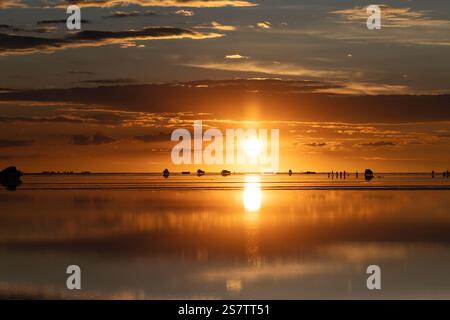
column 368, row 174
column 432, row 174
column 357, row 174
column 290, row 172
column 447, row 174
column 185, row 172
column 225, row 173
column 200, row 172
column 166, row 173
column 10, row 178
column 328, row 174
column 345, row 174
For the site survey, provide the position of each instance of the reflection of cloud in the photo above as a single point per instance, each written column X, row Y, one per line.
column 15, row 143
column 13, row 44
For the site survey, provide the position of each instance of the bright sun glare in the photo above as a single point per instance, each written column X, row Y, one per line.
column 252, row 146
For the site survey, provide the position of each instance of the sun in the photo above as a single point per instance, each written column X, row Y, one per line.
column 252, row 146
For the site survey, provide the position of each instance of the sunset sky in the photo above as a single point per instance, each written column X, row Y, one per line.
column 106, row 98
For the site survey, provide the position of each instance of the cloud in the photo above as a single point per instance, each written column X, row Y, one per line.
column 185, row 13
column 315, row 144
column 264, row 25
column 154, row 137
column 236, row 57
column 15, row 45
column 15, row 143
column 12, row 4
column 403, row 26
column 165, row 3
column 362, row 88
column 59, row 21
column 11, row 28
column 393, row 17
column 269, row 68
column 123, row 14
column 217, row 26
column 96, row 139
column 109, row 81
column 377, row 144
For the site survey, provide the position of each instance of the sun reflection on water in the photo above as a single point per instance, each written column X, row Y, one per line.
column 252, row 194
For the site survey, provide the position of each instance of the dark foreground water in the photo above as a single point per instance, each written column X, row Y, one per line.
column 275, row 237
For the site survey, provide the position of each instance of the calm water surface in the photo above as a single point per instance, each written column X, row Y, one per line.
column 275, row 237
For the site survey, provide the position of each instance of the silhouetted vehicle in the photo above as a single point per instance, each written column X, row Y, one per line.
column 368, row 174
column 166, row 173
column 10, row 178
column 225, row 173
column 200, row 172
column 185, row 172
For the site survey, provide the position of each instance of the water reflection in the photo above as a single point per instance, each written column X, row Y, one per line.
column 252, row 194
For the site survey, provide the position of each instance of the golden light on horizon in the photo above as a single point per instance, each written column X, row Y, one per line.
column 252, row 195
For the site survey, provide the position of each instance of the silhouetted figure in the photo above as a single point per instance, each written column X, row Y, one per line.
column 340, row 175
column 328, row 174
column 10, row 178
column 357, row 174
column 345, row 174
column 225, row 173
column 290, row 172
column 368, row 174
column 432, row 174
column 166, row 173
column 447, row 174
column 200, row 172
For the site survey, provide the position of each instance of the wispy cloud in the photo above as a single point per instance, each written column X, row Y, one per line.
column 185, row 13
column 164, row 3
column 264, row 25
column 217, row 26
column 236, row 57
column 268, row 68
column 16, row 45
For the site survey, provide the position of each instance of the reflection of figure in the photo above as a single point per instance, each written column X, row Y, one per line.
column 10, row 178
column 368, row 174
column 166, row 173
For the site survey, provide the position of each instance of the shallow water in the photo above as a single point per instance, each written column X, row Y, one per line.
column 275, row 237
